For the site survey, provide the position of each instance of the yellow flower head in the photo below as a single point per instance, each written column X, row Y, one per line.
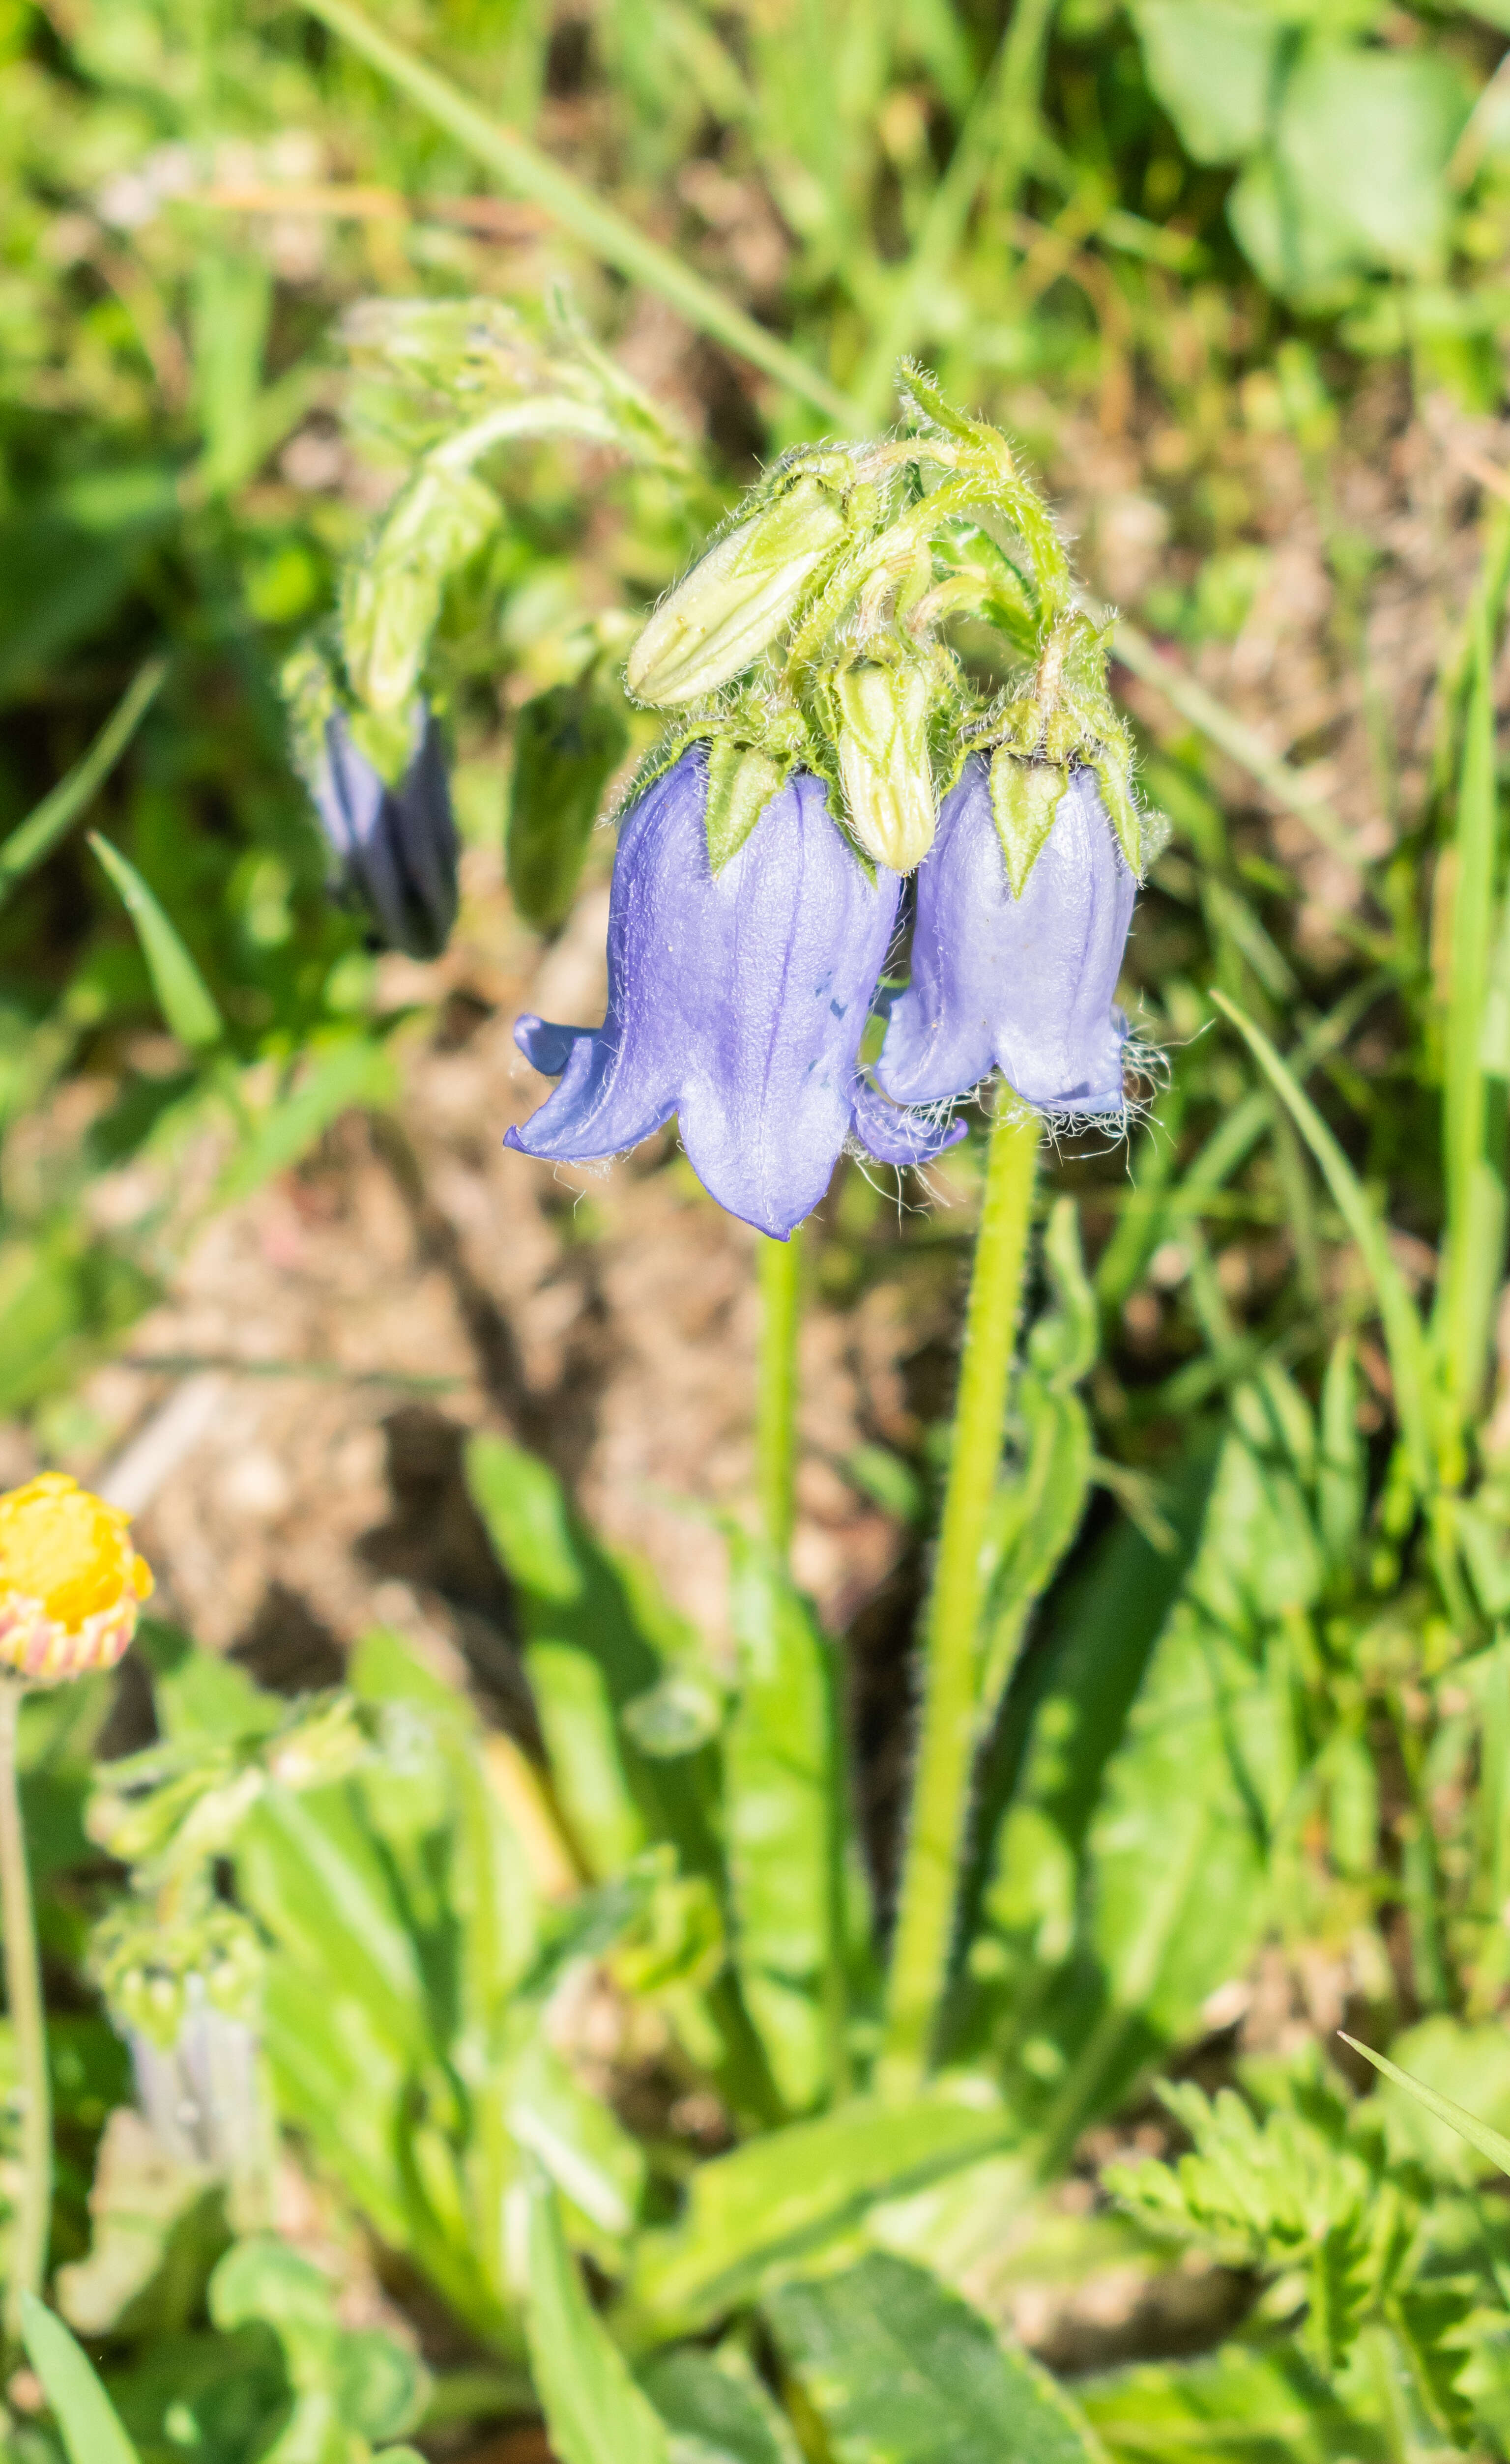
column 71, row 1584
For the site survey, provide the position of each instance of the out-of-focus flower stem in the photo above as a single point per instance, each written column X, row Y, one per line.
column 23, row 1980
column 926, row 1912
column 776, row 1390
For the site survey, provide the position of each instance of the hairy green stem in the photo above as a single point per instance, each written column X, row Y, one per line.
column 23, row 1980
column 776, row 1390
column 928, row 1909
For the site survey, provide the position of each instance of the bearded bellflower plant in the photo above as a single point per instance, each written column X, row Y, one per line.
column 831, row 773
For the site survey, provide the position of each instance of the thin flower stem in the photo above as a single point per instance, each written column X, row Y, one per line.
column 776, row 1394
column 23, row 1980
column 948, row 1736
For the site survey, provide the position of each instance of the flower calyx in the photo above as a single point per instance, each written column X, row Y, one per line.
column 1063, row 720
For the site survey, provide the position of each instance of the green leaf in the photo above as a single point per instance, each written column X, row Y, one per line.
column 595, row 2412
column 34, row 839
column 568, row 744
column 182, row 994
column 1362, row 145
column 91, row 2426
column 1404, row 1336
column 156, row 2228
column 1492, row 2144
column 751, row 2215
column 597, row 1636
column 716, row 2409
column 783, row 1823
column 1213, row 65
column 1239, row 2406
column 901, row 2371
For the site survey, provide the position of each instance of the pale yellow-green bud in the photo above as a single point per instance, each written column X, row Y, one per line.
column 392, row 598
column 736, row 599
column 881, row 712
column 1025, row 798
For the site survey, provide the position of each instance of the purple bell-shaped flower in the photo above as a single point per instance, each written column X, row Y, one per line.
column 395, row 846
column 736, row 1000
column 1024, row 984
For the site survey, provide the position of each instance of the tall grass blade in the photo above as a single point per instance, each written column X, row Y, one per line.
column 1474, row 1123
column 34, row 840
column 531, row 173
column 182, row 993
column 1404, row 1335
column 1489, row 2143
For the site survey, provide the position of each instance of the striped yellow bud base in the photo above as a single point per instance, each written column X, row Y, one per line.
column 71, row 1584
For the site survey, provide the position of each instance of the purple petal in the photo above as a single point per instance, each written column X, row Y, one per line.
column 1023, row 985
column 736, row 1000
column 894, row 1135
column 396, row 846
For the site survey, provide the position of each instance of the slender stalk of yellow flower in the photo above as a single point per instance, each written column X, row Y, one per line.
column 71, row 1589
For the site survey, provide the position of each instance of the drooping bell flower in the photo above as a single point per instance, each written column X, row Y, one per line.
column 395, row 846
column 71, row 1584
column 1021, row 983
column 737, row 1000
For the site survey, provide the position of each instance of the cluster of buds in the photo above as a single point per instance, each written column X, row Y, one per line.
column 827, row 745
column 71, row 1583
column 184, row 1991
column 453, row 386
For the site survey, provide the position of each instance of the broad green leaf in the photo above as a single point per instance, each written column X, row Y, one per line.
column 595, row 2412
column 901, row 2371
column 182, row 994
column 311, row 1872
column 753, row 2214
column 716, row 2410
column 1489, row 2143
column 596, row 1637
column 578, row 2139
column 1213, row 65
column 783, row 1821
column 1402, row 1326
column 1240, row 2405
column 1362, row 145
column 568, row 744
column 91, row 2426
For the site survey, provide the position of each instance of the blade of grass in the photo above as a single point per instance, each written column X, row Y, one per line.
column 992, row 141
column 1474, row 1111
column 34, row 840
column 1489, row 2143
column 1232, row 736
column 531, row 173
column 182, row 993
column 1404, row 1335
column 90, row 2424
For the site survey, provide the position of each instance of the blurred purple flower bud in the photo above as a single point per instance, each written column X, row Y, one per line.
column 396, row 846
column 1020, row 984
column 200, row 2096
column 736, row 1000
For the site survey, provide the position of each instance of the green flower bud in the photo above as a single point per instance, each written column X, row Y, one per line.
column 881, row 712
column 736, row 598
column 1025, row 798
column 391, row 600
